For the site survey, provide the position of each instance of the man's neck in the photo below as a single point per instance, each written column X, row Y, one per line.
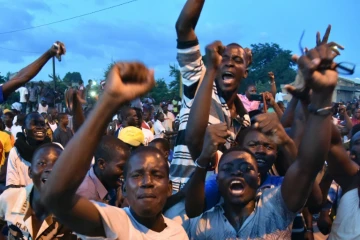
column 9, row 126
column 98, row 175
column 156, row 223
column 63, row 127
column 36, row 205
column 237, row 214
column 264, row 176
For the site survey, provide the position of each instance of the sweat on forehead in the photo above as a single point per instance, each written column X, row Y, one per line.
column 146, row 151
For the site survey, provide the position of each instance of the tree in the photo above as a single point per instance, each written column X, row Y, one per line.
column 174, row 85
column 269, row 57
column 2, row 78
column 160, row 92
column 72, row 77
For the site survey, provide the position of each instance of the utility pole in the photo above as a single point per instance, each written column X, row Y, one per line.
column 54, row 77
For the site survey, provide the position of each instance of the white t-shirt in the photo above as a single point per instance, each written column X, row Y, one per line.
column 159, row 129
column 120, row 224
column 53, row 126
column 15, row 129
column 43, row 109
column 17, row 172
column 168, row 122
column 148, row 135
column 346, row 224
column 170, row 107
column 23, row 91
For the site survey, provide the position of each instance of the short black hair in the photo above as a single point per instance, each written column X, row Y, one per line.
column 30, row 116
column 46, row 145
column 9, row 114
column 21, row 119
column 163, row 143
column 107, row 147
column 238, row 149
column 142, row 150
column 61, row 116
column 158, row 114
column 125, row 112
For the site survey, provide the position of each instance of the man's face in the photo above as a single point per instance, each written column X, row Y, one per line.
column 8, row 120
column 161, row 118
column 165, row 108
column 355, row 148
column 146, row 115
column 35, row 127
column 238, row 178
column 232, row 69
column 43, row 103
column 250, row 90
column 65, row 120
column 357, row 114
column 41, row 167
column 113, row 169
column 132, row 118
column 54, row 114
column 147, row 184
column 263, row 148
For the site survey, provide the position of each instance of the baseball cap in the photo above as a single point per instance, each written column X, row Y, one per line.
column 132, row 136
column 6, row 111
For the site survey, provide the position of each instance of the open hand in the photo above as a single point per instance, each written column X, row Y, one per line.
column 57, row 49
column 269, row 97
column 214, row 53
column 269, row 124
column 271, row 76
column 127, row 81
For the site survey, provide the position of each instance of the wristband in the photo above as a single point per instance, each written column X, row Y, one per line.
column 326, row 111
column 199, row 166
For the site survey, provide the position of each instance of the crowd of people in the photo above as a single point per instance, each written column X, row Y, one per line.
column 213, row 164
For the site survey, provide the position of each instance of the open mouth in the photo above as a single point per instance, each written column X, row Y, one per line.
column 228, row 77
column 261, row 161
column 44, row 180
column 236, row 187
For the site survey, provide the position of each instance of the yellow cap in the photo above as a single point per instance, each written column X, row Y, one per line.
column 132, row 135
column 6, row 111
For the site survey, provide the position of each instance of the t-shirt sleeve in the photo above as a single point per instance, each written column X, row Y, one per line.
column 192, row 67
column 26, row 91
column 12, row 173
column 115, row 221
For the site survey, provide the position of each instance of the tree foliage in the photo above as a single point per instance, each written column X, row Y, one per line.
column 174, row 85
column 72, row 77
column 269, row 57
column 160, row 91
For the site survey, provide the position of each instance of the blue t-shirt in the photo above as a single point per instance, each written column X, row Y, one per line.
column 212, row 194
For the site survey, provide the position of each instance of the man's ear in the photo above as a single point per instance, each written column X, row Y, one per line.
column 259, row 179
column 30, row 172
column 101, row 163
column 123, row 189
column 170, row 189
column 167, row 156
column 246, row 73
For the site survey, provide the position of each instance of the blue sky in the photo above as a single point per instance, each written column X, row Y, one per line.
column 145, row 30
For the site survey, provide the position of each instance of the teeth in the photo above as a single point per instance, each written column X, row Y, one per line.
column 260, row 161
column 235, row 182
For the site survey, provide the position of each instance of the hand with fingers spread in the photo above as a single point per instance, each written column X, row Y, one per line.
column 127, row 81
column 215, row 136
column 214, row 53
column 57, row 50
column 269, row 124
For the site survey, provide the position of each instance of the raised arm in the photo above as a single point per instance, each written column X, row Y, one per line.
column 125, row 82
column 272, row 83
column 186, row 23
column 316, row 140
column 195, row 193
column 200, row 110
column 29, row 72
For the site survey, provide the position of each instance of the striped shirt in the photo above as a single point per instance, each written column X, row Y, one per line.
column 192, row 71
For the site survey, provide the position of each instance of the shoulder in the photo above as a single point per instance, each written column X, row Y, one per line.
column 13, row 155
column 175, row 228
column 9, row 197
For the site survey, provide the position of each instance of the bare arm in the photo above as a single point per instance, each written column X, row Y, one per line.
column 273, row 84
column 200, row 109
column 189, row 16
column 288, row 116
column 29, row 72
column 314, row 147
column 71, row 167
